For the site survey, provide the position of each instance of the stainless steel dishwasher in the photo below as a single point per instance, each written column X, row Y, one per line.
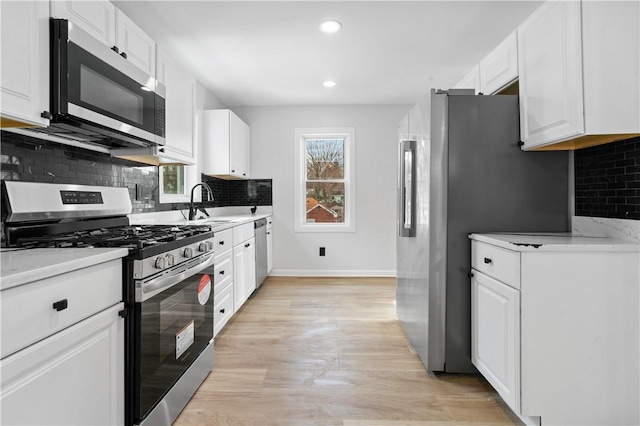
column 260, row 226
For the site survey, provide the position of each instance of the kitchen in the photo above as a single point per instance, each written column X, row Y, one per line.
column 371, row 250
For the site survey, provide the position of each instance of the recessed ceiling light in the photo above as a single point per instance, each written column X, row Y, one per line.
column 330, row 27
column 329, row 83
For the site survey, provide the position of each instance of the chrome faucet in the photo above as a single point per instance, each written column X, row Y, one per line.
column 192, row 208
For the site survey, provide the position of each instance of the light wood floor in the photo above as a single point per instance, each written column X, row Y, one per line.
column 329, row 351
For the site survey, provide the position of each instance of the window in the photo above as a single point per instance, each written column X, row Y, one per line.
column 324, row 185
column 175, row 183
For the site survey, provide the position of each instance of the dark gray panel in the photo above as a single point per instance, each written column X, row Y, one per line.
column 493, row 186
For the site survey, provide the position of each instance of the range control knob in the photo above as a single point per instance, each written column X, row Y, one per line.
column 203, row 247
column 209, row 245
column 171, row 260
column 160, row 263
column 188, row 252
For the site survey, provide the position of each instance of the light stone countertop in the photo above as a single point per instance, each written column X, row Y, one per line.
column 556, row 242
column 218, row 223
column 22, row 266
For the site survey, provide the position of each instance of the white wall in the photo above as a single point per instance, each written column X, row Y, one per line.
column 371, row 249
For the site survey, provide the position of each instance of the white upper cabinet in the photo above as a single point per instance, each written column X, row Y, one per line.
column 180, row 109
column 102, row 20
column 470, row 81
column 97, row 17
column 226, row 145
column 500, row 67
column 25, row 63
column 579, row 64
column 138, row 47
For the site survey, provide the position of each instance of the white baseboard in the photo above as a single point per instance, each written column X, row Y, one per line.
column 330, row 273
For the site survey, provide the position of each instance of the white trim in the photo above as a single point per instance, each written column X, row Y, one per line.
column 331, row 273
column 349, row 135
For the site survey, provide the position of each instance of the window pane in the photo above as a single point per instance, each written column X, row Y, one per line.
column 325, row 159
column 325, row 202
column 173, row 180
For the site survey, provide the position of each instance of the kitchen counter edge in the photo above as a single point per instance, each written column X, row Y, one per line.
column 18, row 267
column 555, row 242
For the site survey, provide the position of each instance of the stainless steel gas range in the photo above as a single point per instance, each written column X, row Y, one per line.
column 167, row 288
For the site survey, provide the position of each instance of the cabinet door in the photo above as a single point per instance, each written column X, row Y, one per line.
column 495, row 335
column 180, row 108
column 139, row 48
column 239, row 276
column 74, row 377
column 500, row 67
column 269, row 248
column 97, row 17
column 25, row 63
column 550, row 65
column 470, row 81
column 238, row 146
column 250, row 266
column 244, row 272
column 223, row 308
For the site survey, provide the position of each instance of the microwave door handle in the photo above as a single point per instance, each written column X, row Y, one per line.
column 146, row 290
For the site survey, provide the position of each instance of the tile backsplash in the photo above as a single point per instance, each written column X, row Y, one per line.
column 36, row 160
column 607, row 180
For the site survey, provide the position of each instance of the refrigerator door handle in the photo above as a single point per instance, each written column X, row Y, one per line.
column 407, row 213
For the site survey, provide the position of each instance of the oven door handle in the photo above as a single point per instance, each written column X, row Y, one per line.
column 146, row 290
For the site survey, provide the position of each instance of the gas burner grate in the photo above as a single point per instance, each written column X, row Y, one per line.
column 132, row 236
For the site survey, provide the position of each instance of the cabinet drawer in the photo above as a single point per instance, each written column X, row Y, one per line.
column 28, row 314
column 223, row 308
column 222, row 271
column 222, row 241
column 496, row 262
column 243, row 233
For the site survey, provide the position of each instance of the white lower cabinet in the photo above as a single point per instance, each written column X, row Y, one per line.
column 556, row 326
column 75, row 377
column 223, row 280
column 63, row 349
column 244, row 271
column 269, row 245
column 244, row 263
column 496, row 335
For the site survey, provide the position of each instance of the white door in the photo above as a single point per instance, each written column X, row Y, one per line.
column 74, row 377
column 550, row 66
column 495, row 335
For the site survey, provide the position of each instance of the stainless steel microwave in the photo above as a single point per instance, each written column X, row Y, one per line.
column 98, row 96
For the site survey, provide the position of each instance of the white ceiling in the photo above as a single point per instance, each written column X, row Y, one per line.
column 251, row 53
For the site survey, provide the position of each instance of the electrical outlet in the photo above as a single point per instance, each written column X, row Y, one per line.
column 322, row 251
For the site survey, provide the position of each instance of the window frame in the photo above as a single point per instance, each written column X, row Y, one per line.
column 300, row 179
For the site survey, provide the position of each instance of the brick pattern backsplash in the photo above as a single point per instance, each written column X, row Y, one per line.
column 607, row 180
column 36, row 160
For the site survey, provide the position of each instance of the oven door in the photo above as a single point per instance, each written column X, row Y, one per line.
column 95, row 84
column 173, row 326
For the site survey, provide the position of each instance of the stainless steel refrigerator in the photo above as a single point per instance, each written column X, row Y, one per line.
column 461, row 170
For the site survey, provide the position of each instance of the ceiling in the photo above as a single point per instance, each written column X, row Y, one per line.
column 268, row 53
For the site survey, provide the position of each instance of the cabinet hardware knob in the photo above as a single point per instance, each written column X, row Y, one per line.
column 487, row 260
column 221, row 243
column 520, row 143
column 61, row 305
column 124, row 55
column 247, row 245
column 115, row 49
column 47, row 115
column 222, row 311
column 470, row 275
column 221, row 272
